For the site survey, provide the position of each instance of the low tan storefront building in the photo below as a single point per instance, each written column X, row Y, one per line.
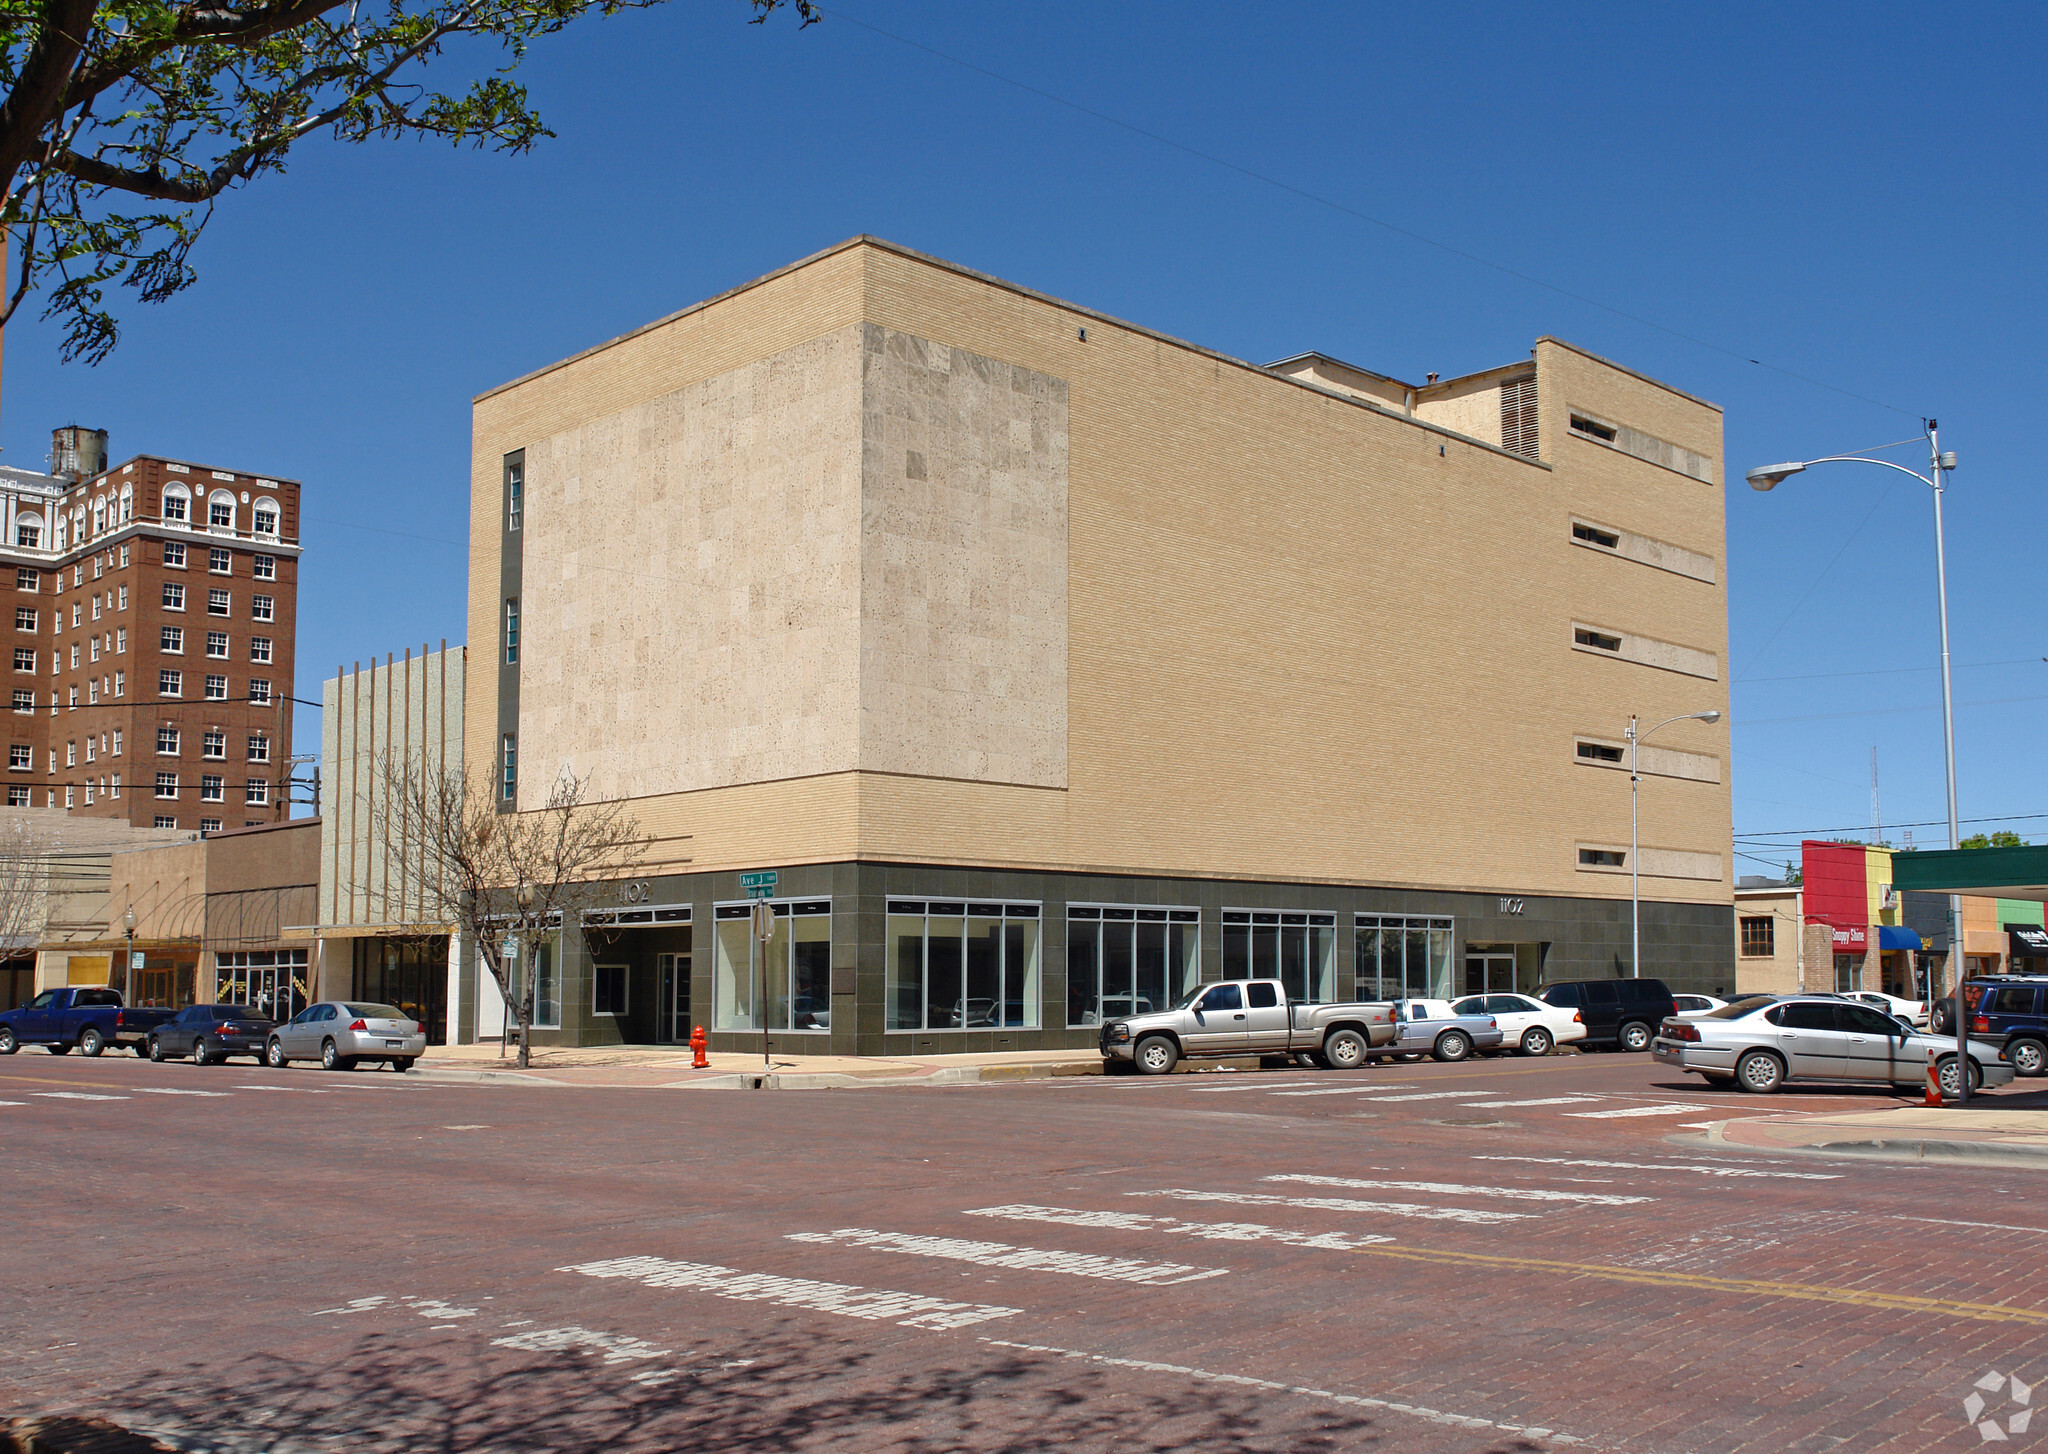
column 218, row 920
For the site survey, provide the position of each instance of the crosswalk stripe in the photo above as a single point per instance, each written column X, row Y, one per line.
column 1339, row 1204
column 1454, row 1188
column 1636, row 1111
column 1539, row 1101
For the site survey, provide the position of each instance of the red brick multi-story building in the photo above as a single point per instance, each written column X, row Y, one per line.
column 155, row 605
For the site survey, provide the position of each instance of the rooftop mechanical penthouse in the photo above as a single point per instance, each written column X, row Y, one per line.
column 1056, row 665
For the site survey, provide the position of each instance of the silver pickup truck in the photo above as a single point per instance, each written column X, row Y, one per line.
column 1244, row 1017
column 1433, row 1028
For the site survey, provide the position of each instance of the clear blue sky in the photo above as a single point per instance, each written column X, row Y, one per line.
column 1849, row 193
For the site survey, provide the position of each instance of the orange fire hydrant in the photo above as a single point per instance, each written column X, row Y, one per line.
column 699, row 1043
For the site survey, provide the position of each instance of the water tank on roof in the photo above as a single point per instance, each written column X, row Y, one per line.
column 77, row 452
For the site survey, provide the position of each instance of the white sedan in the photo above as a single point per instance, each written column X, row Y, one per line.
column 1526, row 1025
column 1688, row 1006
column 1913, row 1012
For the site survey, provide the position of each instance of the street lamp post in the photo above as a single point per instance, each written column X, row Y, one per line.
column 1635, row 897
column 128, row 926
column 529, row 967
column 1768, row 477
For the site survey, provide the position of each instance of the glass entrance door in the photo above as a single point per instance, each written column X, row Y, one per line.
column 1489, row 972
column 672, row 1008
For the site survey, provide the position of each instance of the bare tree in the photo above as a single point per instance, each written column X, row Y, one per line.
column 24, row 885
column 497, row 875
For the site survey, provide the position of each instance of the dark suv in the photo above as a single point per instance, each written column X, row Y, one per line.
column 1623, row 1013
column 2014, row 1011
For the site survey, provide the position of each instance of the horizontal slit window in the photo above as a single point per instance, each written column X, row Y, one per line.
column 1592, row 535
column 1599, row 640
column 1599, row 752
column 1592, row 429
column 1601, row 858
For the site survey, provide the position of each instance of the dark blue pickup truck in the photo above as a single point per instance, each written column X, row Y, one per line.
column 90, row 1018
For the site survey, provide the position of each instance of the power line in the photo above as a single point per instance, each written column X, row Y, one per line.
column 1859, row 827
column 1353, row 212
column 1818, row 676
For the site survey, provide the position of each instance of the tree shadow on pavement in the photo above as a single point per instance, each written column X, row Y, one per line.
column 781, row 1389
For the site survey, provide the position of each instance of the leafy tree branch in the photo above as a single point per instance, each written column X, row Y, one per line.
column 114, row 103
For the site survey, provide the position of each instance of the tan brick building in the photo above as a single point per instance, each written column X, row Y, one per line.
column 1055, row 664
column 154, row 606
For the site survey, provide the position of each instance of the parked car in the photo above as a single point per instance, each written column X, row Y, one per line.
column 2014, row 1014
column 88, row 1017
column 1527, row 1026
column 1913, row 1012
column 210, row 1034
column 1690, row 1005
column 1623, row 1013
column 1815, row 1037
column 1973, row 987
column 1246, row 1017
column 341, row 1034
column 1436, row 1029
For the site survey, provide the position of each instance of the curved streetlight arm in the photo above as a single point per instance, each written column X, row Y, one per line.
column 1866, row 459
column 1707, row 717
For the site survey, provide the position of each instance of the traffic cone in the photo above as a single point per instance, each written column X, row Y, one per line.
column 1933, row 1095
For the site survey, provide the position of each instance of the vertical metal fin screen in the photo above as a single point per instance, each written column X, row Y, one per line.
column 1518, row 416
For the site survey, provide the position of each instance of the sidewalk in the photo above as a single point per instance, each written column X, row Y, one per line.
column 2011, row 1137
column 668, row 1068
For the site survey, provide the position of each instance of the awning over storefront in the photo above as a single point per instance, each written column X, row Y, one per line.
column 2001, row 873
column 1897, row 936
column 2028, row 941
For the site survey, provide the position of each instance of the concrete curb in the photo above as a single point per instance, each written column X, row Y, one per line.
column 779, row 1079
column 1894, row 1148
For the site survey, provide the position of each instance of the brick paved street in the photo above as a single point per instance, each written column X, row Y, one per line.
column 1501, row 1255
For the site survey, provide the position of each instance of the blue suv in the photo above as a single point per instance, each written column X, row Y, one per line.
column 2016, row 1012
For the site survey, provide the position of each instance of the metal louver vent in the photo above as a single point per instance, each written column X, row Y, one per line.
column 1518, row 416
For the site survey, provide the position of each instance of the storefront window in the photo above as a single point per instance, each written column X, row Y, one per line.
column 795, row 973
column 1299, row 950
column 1129, row 961
column 270, row 982
column 409, row 973
column 1848, row 973
column 962, row 966
column 1403, row 958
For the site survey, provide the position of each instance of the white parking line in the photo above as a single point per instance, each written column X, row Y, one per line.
column 796, row 1292
column 296, row 1090
column 1636, row 1111
column 1708, row 1170
column 13, row 1103
column 1337, row 1204
column 1434, row 1416
column 157, row 1090
column 74, row 1096
column 1028, row 1259
column 1453, row 1188
column 1435, row 1096
column 616, row 1347
column 1539, row 1101
column 1208, row 1231
column 1224, row 1090
column 1365, row 1090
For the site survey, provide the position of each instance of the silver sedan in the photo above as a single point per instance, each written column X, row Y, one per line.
column 1760, row 1045
column 341, row 1034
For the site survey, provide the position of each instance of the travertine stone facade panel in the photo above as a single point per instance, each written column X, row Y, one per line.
column 851, row 555
column 964, row 565
column 692, row 580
